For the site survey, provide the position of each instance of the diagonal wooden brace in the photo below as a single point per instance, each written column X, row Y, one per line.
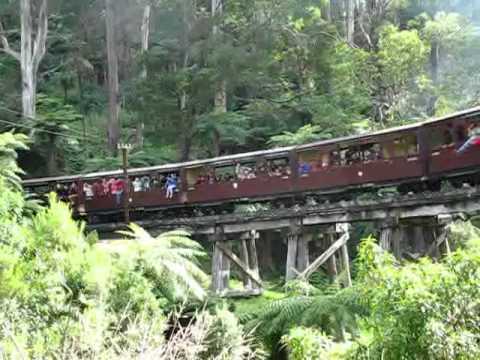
column 240, row 264
column 325, row 256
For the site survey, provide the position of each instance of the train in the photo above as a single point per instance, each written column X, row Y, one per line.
column 412, row 157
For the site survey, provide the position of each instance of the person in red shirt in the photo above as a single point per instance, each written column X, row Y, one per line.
column 118, row 187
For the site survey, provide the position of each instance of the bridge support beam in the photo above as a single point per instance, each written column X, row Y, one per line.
column 247, row 263
column 292, row 249
column 338, row 245
column 441, row 244
column 303, row 253
column 220, row 263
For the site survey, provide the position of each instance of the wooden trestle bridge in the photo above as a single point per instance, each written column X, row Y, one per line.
column 317, row 234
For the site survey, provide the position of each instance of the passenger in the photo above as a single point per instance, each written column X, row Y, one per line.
column 145, row 183
column 59, row 191
column 105, row 187
column 304, row 168
column 171, row 185
column 137, row 185
column 201, row 179
column 118, row 187
column 286, row 172
column 276, row 171
column 88, row 191
column 97, row 189
column 73, row 191
column 473, row 140
column 238, row 172
column 161, row 180
column 110, row 185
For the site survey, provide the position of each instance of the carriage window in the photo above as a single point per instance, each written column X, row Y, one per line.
column 309, row 161
column 406, row 146
column 196, row 176
column 246, row 170
column 279, row 168
column 440, row 138
column 224, row 174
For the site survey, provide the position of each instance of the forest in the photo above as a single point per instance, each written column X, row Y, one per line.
column 192, row 79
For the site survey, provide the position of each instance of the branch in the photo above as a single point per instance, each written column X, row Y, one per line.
column 6, row 45
column 39, row 46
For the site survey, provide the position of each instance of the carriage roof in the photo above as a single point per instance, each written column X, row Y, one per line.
column 271, row 153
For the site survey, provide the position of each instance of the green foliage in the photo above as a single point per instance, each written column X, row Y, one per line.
column 170, row 260
column 421, row 310
column 10, row 143
column 331, row 310
column 309, row 344
column 305, row 134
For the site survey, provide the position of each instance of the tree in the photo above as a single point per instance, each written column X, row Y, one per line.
column 113, row 131
column 445, row 32
column 34, row 29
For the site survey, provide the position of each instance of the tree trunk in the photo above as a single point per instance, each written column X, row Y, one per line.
column 326, row 11
column 434, row 60
column 350, row 21
column 337, row 14
column 32, row 50
column 145, row 34
column 52, row 156
column 113, row 131
column 145, row 30
column 220, row 96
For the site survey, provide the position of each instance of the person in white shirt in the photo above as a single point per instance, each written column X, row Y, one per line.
column 88, row 190
column 137, row 185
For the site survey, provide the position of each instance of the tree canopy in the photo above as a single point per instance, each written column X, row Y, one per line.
column 196, row 81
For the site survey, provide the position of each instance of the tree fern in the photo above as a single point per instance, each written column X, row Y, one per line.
column 9, row 144
column 332, row 310
column 171, row 258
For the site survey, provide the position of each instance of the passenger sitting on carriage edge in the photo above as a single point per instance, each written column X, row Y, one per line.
column 305, row 168
column 171, row 185
column 473, row 140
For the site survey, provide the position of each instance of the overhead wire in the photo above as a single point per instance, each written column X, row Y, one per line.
column 41, row 130
column 78, row 133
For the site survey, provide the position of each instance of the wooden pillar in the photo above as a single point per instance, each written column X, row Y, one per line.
column 265, row 251
column 386, row 234
column 332, row 261
column 292, row 243
column 419, row 240
column 343, row 229
column 216, row 269
column 291, row 256
column 220, row 264
column 247, row 283
column 303, row 255
column 225, row 274
column 444, row 222
column 397, row 240
column 253, row 258
column 346, row 265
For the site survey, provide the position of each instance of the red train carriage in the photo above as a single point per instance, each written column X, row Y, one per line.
column 409, row 156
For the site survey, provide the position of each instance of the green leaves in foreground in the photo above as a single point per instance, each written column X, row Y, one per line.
column 170, row 258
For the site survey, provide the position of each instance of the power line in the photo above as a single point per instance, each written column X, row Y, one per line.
column 39, row 130
column 37, row 120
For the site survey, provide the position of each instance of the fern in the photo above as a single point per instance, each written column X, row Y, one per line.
column 171, row 260
column 332, row 310
column 10, row 143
